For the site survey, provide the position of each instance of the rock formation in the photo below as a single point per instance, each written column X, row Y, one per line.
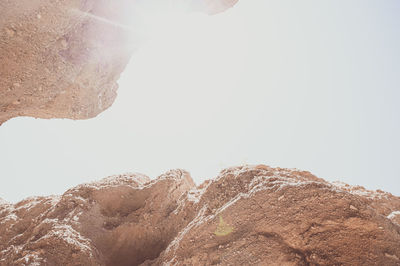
column 250, row 215
column 62, row 59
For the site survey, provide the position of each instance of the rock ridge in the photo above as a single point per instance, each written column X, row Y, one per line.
column 251, row 215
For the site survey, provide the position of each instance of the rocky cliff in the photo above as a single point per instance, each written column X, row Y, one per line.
column 250, row 215
column 62, row 59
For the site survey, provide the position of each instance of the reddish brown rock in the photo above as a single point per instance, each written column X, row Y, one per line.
column 62, row 59
column 57, row 60
column 121, row 220
column 287, row 217
column 251, row 215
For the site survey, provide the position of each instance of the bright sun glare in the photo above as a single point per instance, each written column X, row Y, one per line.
column 263, row 82
column 152, row 19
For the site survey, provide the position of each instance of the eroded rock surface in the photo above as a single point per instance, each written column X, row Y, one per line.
column 62, row 59
column 57, row 60
column 121, row 220
column 251, row 215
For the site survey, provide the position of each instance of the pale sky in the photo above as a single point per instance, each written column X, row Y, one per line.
column 313, row 85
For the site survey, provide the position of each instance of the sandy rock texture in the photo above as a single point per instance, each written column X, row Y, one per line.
column 59, row 61
column 120, row 220
column 62, row 59
column 249, row 215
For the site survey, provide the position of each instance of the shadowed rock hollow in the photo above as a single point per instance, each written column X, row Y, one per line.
column 62, row 59
column 251, row 215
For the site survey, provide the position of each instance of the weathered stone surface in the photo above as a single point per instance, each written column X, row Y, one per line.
column 251, row 215
column 57, row 60
column 62, row 59
column 121, row 220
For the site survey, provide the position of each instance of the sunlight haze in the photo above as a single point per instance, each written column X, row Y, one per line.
column 312, row 85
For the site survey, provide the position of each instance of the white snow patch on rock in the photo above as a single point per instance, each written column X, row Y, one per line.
column 31, row 259
column 195, row 194
column 134, row 180
column 195, row 222
column 69, row 235
column 30, row 203
column 10, row 217
column 393, row 215
column 359, row 190
column 12, row 249
column 3, row 202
